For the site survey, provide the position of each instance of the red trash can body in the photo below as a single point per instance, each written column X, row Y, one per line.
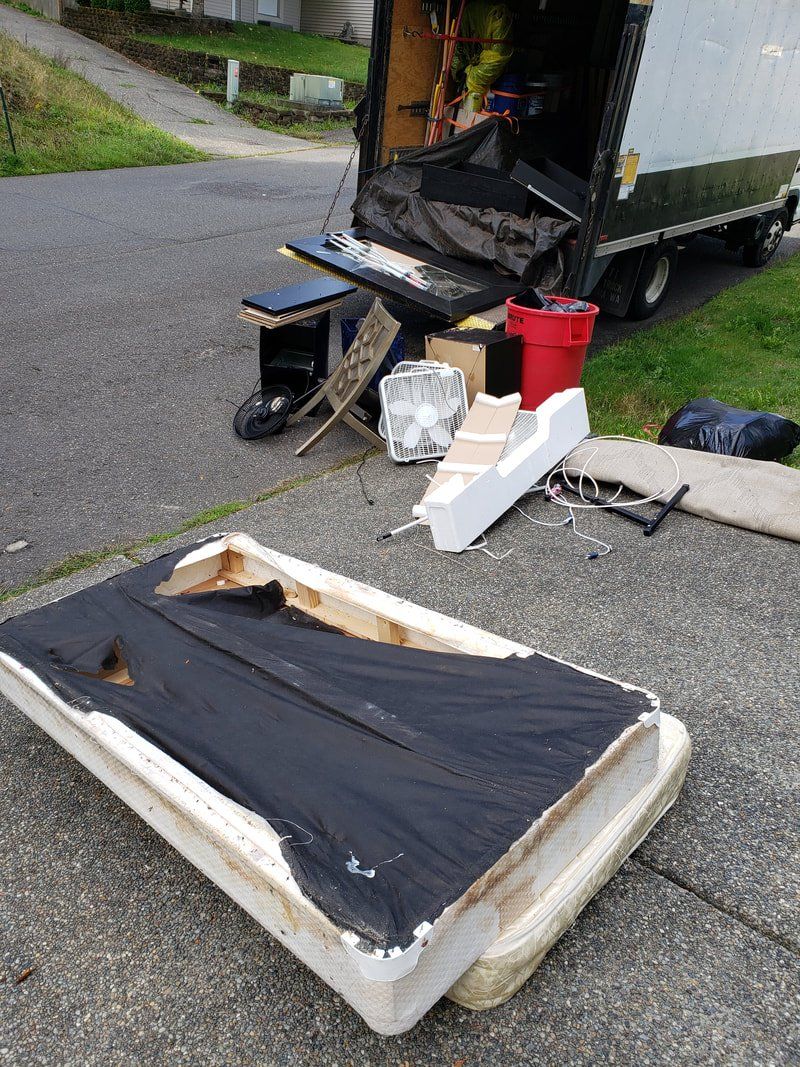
column 554, row 347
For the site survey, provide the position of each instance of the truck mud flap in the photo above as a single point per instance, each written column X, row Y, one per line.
column 429, row 282
column 614, row 291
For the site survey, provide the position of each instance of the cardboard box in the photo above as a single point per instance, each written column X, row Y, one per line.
column 491, row 361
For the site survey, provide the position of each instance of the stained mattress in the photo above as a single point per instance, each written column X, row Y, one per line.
column 420, row 767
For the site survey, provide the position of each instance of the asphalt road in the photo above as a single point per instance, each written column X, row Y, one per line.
column 689, row 956
column 122, row 355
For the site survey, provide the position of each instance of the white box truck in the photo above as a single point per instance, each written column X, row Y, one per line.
column 681, row 117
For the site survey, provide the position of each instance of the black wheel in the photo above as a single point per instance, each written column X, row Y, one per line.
column 655, row 278
column 762, row 250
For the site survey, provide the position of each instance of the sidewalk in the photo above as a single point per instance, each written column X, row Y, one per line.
column 689, row 955
column 165, row 103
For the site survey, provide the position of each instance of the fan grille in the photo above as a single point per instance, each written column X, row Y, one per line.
column 422, row 409
column 525, row 426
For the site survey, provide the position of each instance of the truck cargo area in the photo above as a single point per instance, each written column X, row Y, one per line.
column 488, row 129
column 562, row 60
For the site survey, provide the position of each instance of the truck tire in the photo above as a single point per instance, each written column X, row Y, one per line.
column 762, row 250
column 655, row 277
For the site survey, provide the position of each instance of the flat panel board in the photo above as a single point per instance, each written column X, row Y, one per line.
column 714, row 121
column 451, row 289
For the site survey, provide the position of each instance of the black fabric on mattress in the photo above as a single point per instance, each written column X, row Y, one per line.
column 373, row 749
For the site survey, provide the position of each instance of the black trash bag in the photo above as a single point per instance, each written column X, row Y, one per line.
column 706, row 425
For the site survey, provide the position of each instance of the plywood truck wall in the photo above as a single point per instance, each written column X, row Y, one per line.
column 410, row 75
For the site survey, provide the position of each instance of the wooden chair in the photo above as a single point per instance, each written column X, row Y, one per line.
column 343, row 388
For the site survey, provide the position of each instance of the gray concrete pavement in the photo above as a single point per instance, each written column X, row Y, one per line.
column 122, row 354
column 690, row 955
column 165, row 103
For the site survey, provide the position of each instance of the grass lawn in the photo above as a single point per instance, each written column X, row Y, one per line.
column 63, row 123
column 271, row 47
column 741, row 348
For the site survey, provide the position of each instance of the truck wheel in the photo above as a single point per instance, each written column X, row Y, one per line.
column 655, row 278
column 762, row 251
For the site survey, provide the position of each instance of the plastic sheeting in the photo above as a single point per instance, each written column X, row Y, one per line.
column 527, row 248
column 424, row 767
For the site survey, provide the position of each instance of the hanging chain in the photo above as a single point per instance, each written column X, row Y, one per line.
column 338, row 192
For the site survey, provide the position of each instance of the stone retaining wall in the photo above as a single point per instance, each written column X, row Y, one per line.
column 116, row 29
column 98, row 21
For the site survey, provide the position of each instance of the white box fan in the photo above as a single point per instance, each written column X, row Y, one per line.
column 422, row 406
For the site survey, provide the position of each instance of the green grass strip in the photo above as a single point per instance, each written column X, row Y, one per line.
column 272, row 47
column 741, row 348
column 81, row 560
column 62, row 122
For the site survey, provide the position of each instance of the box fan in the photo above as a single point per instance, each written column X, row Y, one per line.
column 422, row 405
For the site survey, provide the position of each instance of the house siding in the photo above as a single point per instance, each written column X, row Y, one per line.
column 214, row 9
column 247, row 11
column 290, row 13
column 327, row 17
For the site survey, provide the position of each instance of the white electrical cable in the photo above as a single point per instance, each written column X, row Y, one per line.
column 566, row 466
column 566, row 522
column 481, row 546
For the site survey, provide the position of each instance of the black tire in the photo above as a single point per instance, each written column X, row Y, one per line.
column 655, row 278
column 761, row 252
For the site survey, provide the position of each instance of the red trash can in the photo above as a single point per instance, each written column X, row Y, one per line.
column 554, row 347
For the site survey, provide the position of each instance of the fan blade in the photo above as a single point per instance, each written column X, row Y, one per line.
column 440, row 435
column 412, row 435
column 447, row 406
column 402, row 407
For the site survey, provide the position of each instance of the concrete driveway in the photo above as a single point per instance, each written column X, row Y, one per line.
column 689, row 956
column 165, row 103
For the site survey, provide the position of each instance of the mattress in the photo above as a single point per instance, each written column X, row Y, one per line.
column 507, row 964
column 386, row 790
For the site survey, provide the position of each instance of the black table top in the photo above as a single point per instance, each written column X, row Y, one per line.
column 299, row 297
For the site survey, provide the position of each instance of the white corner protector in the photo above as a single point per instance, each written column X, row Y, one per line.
column 498, row 401
column 652, row 718
column 387, row 965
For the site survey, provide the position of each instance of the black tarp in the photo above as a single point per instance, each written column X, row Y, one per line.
column 527, row 248
column 372, row 749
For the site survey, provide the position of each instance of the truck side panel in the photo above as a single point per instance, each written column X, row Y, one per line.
column 713, row 127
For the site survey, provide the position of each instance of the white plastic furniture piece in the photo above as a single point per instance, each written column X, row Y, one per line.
column 461, row 509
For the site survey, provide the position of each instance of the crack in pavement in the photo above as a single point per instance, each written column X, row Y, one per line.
column 784, row 942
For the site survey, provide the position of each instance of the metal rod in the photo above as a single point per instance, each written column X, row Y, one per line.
column 670, row 504
column 650, row 524
column 8, row 120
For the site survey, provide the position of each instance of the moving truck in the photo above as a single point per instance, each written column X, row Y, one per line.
column 679, row 117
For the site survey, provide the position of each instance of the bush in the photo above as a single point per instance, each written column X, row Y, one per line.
column 138, row 7
column 99, row 3
column 116, row 5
